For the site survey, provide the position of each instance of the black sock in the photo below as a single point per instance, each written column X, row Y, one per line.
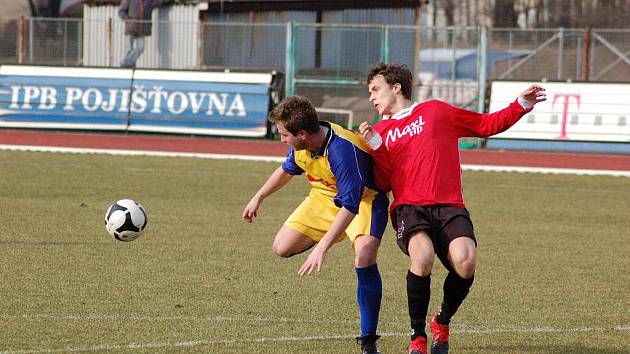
column 456, row 289
column 418, row 296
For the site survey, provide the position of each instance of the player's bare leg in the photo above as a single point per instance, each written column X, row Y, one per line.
column 289, row 242
column 365, row 251
column 369, row 290
column 422, row 255
column 462, row 256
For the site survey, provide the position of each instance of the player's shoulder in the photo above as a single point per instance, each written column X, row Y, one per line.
column 432, row 103
column 402, row 116
column 295, row 155
column 344, row 138
column 432, row 108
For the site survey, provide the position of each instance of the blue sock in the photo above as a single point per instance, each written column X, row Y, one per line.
column 369, row 293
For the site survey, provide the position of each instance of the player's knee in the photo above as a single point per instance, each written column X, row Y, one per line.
column 365, row 258
column 463, row 256
column 366, row 250
column 421, row 266
column 465, row 268
column 281, row 250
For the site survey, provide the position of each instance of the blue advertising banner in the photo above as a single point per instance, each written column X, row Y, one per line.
column 53, row 97
column 200, row 102
column 234, row 104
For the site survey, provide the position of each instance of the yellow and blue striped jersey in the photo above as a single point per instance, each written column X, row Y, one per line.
column 341, row 169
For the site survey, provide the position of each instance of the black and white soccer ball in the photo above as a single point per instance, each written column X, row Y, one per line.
column 125, row 220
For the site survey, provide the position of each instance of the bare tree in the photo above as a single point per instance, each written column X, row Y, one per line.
column 562, row 13
column 579, row 13
column 505, row 14
column 33, row 8
column 449, row 11
column 536, row 13
column 53, row 8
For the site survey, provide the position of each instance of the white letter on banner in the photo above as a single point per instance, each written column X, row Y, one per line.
column 48, row 98
column 109, row 106
column 183, row 102
column 15, row 94
column 156, row 95
column 98, row 99
column 30, row 92
column 238, row 105
column 194, row 103
column 72, row 94
column 214, row 100
column 139, row 99
column 124, row 100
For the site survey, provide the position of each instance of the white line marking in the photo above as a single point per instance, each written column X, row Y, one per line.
column 561, row 189
column 36, row 316
column 200, row 342
column 466, row 167
column 545, row 170
column 139, row 153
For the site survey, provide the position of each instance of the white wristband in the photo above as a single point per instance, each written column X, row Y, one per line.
column 524, row 103
column 375, row 141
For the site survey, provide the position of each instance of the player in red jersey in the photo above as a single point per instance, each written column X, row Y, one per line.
column 416, row 157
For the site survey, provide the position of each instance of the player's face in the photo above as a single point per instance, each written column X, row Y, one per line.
column 383, row 95
column 297, row 141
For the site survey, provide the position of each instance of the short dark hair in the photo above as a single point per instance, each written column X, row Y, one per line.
column 296, row 113
column 394, row 73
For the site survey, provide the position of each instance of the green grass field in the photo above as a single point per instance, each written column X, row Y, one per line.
column 552, row 277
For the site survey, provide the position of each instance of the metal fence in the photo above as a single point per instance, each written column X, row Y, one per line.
column 328, row 62
column 47, row 41
column 565, row 54
column 240, row 45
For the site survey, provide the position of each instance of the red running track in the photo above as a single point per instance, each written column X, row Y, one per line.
column 274, row 148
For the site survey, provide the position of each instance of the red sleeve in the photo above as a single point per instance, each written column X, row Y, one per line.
column 482, row 125
column 382, row 168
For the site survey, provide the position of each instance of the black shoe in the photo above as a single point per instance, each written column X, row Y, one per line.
column 368, row 344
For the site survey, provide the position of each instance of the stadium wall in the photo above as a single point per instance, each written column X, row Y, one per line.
column 163, row 101
column 577, row 116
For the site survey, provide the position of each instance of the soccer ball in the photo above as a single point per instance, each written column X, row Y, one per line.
column 125, row 220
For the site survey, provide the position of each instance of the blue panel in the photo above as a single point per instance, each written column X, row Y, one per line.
column 439, row 61
column 63, row 100
column 567, row 146
column 199, row 104
column 118, row 104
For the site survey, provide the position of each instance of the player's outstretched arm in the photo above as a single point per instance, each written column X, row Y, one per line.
column 317, row 257
column 483, row 125
column 276, row 181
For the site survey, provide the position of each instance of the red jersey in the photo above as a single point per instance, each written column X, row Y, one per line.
column 419, row 157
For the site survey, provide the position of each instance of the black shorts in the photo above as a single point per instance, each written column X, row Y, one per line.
column 442, row 223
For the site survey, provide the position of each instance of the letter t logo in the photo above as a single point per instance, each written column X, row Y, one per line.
column 565, row 110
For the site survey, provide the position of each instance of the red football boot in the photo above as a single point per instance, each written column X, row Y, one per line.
column 439, row 337
column 418, row 346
